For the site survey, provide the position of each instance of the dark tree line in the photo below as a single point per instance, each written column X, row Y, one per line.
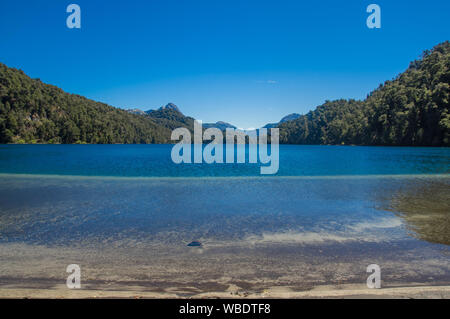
column 34, row 112
column 412, row 109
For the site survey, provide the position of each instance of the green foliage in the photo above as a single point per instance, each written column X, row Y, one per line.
column 34, row 112
column 171, row 119
column 412, row 109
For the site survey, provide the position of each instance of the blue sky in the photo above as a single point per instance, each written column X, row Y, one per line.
column 241, row 61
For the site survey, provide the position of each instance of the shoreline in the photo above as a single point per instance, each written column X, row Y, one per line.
column 250, row 177
column 344, row 291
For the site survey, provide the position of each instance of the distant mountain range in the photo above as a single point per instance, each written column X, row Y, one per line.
column 171, row 110
column 220, row 124
column 161, row 110
column 412, row 109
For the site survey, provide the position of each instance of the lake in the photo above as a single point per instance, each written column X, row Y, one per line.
column 126, row 214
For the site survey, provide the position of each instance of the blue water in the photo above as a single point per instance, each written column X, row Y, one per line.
column 155, row 161
column 329, row 207
column 315, row 190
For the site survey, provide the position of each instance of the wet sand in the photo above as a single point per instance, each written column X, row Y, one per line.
column 253, row 272
column 329, row 292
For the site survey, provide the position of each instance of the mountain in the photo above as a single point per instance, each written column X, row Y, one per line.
column 289, row 117
column 410, row 110
column 220, row 125
column 270, row 125
column 35, row 112
column 171, row 117
column 167, row 108
column 136, row 111
column 170, row 106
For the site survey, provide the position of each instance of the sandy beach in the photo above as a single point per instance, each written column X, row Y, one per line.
column 335, row 292
column 39, row 272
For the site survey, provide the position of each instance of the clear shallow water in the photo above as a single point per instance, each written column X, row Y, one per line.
column 333, row 211
column 67, row 210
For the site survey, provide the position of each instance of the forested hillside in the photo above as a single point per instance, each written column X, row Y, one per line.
column 412, row 109
column 170, row 117
column 34, row 112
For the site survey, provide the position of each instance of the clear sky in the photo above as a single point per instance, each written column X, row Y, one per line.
column 241, row 61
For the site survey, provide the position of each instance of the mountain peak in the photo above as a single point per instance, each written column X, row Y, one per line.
column 290, row 117
column 170, row 106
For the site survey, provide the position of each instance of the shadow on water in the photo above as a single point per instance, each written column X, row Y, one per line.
column 425, row 208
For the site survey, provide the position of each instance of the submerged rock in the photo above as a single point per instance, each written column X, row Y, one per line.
column 195, row 244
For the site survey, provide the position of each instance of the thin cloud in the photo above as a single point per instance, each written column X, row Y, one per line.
column 267, row 81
